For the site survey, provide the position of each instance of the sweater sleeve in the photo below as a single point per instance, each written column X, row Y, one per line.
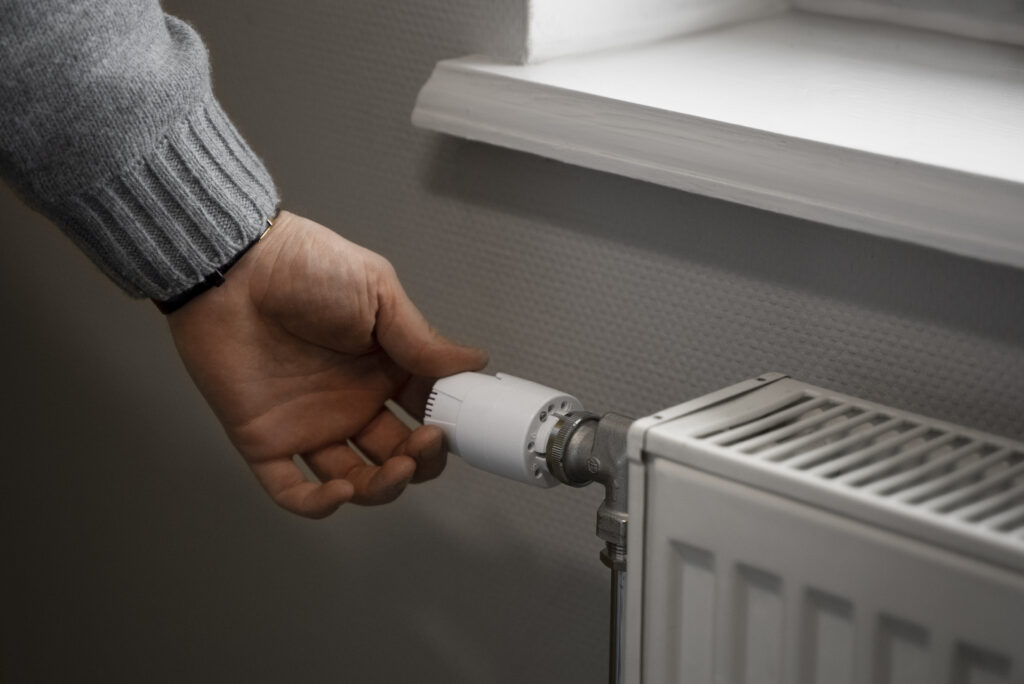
column 109, row 127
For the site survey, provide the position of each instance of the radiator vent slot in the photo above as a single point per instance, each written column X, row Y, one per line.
column 896, row 460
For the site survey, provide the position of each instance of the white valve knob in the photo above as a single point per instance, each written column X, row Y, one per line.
column 499, row 423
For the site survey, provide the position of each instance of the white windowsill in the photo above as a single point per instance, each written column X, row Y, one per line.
column 893, row 131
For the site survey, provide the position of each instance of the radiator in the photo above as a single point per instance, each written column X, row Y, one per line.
column 784, row 533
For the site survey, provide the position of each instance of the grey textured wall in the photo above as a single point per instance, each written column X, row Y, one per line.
column 136, row 546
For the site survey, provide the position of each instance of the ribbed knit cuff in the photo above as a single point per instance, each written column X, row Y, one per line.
column 176, row 215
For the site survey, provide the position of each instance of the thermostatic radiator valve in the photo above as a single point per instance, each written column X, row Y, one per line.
column 499, row 423
column 537, row 435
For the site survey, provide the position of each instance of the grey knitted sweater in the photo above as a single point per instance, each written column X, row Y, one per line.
column 108, row 126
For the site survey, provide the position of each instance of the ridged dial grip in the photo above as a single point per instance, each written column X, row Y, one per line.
column 559, row 443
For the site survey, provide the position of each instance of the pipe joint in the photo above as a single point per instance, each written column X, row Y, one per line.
column 585, row 449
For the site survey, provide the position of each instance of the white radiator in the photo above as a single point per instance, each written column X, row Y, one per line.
column 783, row 533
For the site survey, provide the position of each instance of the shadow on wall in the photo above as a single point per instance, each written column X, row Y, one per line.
column 872, row 272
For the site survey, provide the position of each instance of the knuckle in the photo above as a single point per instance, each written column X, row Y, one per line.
column 386, row 268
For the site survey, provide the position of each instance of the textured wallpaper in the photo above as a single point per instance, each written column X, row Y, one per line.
column 139, row 548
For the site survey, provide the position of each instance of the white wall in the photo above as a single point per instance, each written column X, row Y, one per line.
column 138, row 548
column 998, row 20
column 564, row 27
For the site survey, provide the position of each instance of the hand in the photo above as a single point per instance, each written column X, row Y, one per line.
column 296, row 354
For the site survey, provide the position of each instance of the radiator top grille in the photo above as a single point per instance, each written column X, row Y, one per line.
column 898, row 463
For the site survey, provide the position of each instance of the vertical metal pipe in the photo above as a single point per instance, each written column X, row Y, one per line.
column 617, row 638
column 615, row 558
column 584, row 448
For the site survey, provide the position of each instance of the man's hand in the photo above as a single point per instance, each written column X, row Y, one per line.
column 296, row 354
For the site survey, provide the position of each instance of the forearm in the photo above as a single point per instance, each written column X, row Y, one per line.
column 108, row 126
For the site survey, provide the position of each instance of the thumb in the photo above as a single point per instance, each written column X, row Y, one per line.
column 412, row 342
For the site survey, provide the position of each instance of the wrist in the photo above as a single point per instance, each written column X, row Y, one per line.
column 212, row 280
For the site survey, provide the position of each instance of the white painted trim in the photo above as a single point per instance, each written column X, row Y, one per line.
column 556, row 28
column 886, row 130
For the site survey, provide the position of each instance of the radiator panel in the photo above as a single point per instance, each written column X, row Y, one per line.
column 747, row 586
